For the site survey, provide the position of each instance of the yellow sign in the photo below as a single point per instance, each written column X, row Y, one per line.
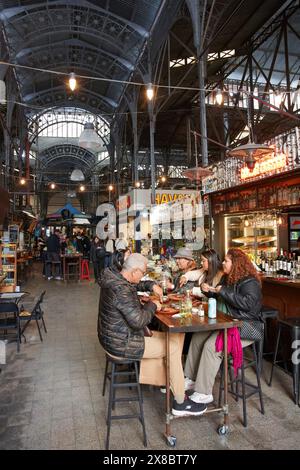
column 164, row 198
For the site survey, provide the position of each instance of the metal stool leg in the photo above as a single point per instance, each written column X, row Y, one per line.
column 221, row 384
column 105, row 378
column 244, row 396
column 110, row 405
column 257, row 372
column 142, row 420
column 275, row 355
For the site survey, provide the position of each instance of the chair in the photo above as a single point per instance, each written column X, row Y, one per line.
column 84, row 271
column 36, row 314
column 113, row 375
column 9, row 320
column 293, row 325
column 240, row 379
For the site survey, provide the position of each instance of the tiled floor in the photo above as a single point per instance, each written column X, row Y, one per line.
column 50, row 393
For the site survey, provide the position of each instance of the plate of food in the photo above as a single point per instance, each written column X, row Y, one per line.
column 175, row 297
column 169, row 310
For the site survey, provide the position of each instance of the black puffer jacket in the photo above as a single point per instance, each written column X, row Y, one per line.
column 121, row 316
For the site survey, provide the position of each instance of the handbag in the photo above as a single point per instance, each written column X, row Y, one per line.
column 147, row 331
column 252, row 330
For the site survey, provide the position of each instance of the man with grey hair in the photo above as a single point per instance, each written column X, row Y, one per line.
column 121, row 323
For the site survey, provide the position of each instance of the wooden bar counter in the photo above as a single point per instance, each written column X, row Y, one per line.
column 284, row 295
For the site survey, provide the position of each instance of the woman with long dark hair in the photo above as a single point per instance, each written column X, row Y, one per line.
column 211, row 272
column 240, row 290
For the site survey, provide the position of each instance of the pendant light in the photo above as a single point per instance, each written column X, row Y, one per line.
column 89, row 138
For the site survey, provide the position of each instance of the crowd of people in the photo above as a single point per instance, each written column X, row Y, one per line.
column 234, row 283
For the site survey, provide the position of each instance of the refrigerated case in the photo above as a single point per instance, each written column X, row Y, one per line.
column 294, row 231
column 251, row 233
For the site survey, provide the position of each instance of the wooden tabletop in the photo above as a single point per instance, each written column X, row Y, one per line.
column 196, row 323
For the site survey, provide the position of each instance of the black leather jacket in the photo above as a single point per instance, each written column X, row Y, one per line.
column 121, row 316
column 243, row 299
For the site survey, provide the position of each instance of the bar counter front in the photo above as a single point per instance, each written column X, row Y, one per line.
column 282, row 294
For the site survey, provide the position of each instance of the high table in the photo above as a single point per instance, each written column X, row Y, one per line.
column 191, row 325
column 71, row 257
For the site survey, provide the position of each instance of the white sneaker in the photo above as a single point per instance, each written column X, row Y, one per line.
column 49, row 278
column 163, row 390
column 188, row 384
column 58, row 278
column 201, row 398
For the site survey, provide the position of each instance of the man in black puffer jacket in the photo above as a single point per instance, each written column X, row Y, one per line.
column 120, row 330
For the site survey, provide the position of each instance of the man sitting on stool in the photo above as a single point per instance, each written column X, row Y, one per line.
column 121, row 323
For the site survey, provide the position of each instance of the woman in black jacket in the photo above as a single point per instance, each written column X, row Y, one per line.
column 241, row 292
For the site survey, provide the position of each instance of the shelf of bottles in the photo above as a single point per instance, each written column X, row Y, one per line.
column 252, row 234
column 8, row 267
column 265, row 197
column 282, row 264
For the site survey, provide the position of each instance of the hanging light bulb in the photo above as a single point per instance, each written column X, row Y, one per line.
column 22, row 181
column 52, row 186
column 246, row 222
column 150, row 92
column 110, row 187
column 219, row 98
column 89, row 138
column 81, row 188
column 72, row 81
column 137, row 184
column 280, row 220
column 163, row 179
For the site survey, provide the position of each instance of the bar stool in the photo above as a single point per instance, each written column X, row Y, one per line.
column 132, row 374
column 293, row 325
column 84, row 271
column 240, row 379
column 267, row 315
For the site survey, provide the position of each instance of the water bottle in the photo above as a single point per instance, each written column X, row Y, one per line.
column 212, row 308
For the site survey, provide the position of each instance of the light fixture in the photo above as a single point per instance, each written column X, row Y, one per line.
column 246, row 222
column 197, row 173
column 22, row 181
column 163, row 179
column 137, row 184
column 150, row 92
column 72, row 81
column 279, row 220
column 110, row 187
column 52, row 186
column 250, row 153
column 219, row 98
column 81, row 188
column 77, row 175
column 89, row 139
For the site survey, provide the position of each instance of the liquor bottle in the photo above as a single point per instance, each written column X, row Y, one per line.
column 279, row 262
column 284, row 264
column 289, row 265
column 263, row 261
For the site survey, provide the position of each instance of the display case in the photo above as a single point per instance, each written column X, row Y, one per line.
column 251, row 234
column 8, row 266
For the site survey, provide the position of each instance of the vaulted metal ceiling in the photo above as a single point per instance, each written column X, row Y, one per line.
column 101, row 39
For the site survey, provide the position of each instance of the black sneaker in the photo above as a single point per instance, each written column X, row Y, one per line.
column 188, row 408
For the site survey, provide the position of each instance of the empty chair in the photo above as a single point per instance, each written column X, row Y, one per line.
column 35, row 314
column 9, row 322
